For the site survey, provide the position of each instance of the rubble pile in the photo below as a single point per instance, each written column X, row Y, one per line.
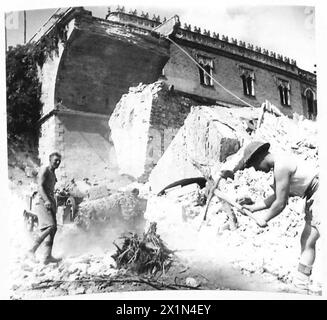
column 209, row 135
column 272, row 251
column 116, row 208
column 298, row 136
column 207, row 138
column 265, row 250
column 72, row 276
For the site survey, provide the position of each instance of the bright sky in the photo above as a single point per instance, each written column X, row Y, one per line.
column 288, row 30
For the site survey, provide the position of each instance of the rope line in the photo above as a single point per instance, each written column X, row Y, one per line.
column 228, row 91
column 45, row 24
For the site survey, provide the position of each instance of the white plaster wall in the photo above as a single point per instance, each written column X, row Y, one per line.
column 129, row 125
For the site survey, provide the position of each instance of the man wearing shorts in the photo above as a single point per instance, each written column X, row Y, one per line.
column 46, row 208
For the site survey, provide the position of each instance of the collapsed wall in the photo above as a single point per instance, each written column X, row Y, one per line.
column 143, row 124
column 163, row 137
column 182, row 209
column 208, row 137
column 211, row 134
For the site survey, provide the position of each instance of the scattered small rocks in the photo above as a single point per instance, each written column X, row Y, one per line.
column 192, row 282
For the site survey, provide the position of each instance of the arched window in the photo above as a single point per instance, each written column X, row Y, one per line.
column 284, row 92
column 206, row 74
column 281, row 94
column 311, row 105
column 248, row 82
column 245, row 90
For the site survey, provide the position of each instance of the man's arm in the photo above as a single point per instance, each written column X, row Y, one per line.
column 282, row 188
column 42, row 182
column 261, row 205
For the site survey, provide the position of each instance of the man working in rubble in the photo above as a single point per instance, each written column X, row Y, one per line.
column 46, row 208
column 291, row 178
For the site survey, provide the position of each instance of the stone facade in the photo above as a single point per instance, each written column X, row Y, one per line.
column 84, row 143
column 229, row 58
column 143, row 125
column 81, row 84
column 100, row 59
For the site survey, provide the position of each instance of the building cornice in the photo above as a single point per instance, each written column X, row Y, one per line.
column 204, row 41
column 225, row 46
column 297, row 74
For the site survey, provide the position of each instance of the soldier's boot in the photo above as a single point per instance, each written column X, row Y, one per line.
column 48, row 258
column 301, row 279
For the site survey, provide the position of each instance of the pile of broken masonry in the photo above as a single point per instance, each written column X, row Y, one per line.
column 209, row 135
column 272, row 251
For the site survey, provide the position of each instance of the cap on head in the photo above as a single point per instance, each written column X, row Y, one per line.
column 252, row 149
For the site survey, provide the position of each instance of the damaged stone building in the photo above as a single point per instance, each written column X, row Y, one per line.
column 97, row 61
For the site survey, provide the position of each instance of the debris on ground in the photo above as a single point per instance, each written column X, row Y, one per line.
column 121, row 206
column 146, row 254
column 220, row 256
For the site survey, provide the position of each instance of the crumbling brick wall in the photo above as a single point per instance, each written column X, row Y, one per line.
column 144, row 123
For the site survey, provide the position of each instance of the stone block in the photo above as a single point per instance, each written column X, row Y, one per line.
column 98, row 192
column 208, row 137
column 143, row 125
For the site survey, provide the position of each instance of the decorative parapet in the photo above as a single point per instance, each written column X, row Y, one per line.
column 234, row 46
column 242, row 44
column 197, row 30
column 187, row 26
column 206, row 37
column 308, row 76
column 133, row 18
column 233, row 41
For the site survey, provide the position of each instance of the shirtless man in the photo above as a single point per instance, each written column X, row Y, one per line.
column 46, row 208
column 291, row 178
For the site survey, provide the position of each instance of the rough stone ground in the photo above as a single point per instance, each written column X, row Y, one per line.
column 267, row 257
column 248, row 258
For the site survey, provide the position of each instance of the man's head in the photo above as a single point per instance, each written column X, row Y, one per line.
column 255, row 155
column 55, row 160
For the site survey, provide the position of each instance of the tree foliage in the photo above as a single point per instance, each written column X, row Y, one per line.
column 23, row 90
column 23, row 86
